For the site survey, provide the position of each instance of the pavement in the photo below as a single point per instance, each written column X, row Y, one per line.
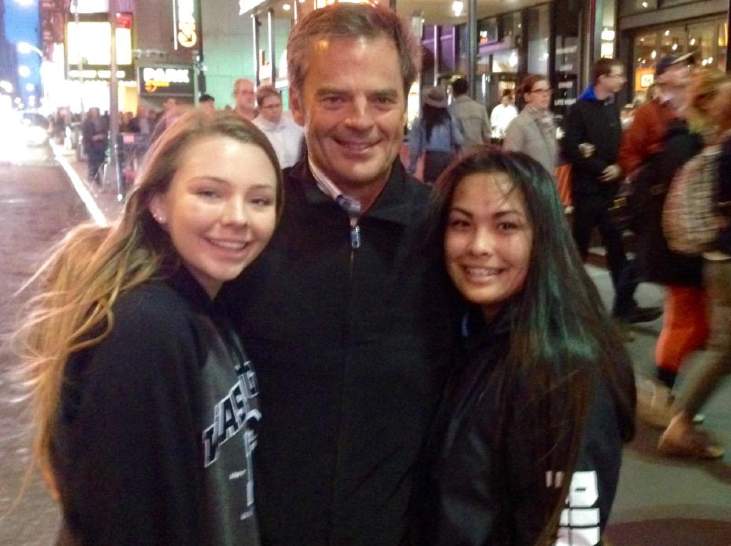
column 660, row 501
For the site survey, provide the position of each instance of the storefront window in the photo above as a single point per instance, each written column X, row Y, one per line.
column 722, row 45
column 701, row 40
column 511, row 29
column 505, row 61
column 538, row 32
column 707, row 40
column 487, row 31
column 645, row 49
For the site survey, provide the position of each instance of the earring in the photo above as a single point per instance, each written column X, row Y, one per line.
column 158, row 218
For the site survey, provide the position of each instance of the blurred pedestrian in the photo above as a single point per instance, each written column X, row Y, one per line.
column 171, row 112
column 435, row 135
column 95, row 139
column 591, row 143
column 207, row 103
column 541, row 398
column 502, row 115
column 139, row 379
column 682, row 438
column 533, row 132
column 244, row 99
column 470, row 116
column 640, row 156
column 286, row 136
column 645, row 136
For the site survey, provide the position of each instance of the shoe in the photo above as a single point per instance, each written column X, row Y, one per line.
column 640, row 314
column 681, row 439
column 654, row 403
column 625, row 331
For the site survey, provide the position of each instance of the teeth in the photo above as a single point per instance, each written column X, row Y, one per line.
column 482, row 271
column 229, row 245
column 356, row 146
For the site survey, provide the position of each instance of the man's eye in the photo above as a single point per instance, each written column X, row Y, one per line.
column 332, row 100
column 386, row 101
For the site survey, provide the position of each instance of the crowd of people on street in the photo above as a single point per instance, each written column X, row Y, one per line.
column 288, row 339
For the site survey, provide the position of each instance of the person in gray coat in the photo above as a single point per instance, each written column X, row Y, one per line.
column 533, row 131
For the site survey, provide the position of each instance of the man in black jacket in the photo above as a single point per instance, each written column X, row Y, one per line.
column 346, row 314
column 593, row 135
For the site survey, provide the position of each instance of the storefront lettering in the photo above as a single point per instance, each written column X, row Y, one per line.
column 91, row 74
column 566, row 50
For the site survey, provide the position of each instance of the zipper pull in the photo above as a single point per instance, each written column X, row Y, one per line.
column 355, row 237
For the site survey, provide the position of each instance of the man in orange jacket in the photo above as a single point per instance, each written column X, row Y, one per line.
column 645, row 135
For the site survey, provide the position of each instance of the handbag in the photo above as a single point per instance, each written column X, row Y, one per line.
column 634, row 195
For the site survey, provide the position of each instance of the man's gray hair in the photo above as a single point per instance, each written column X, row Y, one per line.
column 351, row 21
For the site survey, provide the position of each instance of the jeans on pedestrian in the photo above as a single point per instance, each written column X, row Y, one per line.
column 716, row 364
column 593, row 212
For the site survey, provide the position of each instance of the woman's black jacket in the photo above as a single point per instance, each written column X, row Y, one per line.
column 487, row 482
column 656, row 261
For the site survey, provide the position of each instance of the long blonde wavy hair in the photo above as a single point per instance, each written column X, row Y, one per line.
column 89, row 269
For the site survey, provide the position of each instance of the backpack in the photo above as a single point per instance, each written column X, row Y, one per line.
column 690, row 214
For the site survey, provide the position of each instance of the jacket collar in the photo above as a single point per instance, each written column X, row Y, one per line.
column 182, row 281
column 589, row 94
column 393, row 205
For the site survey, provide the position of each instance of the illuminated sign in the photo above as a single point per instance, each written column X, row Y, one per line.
column 89, row 48
column 185, row 21
column 167, row 80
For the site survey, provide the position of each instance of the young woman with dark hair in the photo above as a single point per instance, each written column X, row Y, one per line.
column 138, row 378
column 527, row 444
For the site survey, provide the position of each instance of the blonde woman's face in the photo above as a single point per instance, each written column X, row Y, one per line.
column 220, row 208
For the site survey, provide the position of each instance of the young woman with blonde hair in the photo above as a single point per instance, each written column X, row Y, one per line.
column 138, row 379
column 682, row 437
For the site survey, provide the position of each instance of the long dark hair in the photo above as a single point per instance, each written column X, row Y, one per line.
column 561, row 340
column 432, row 117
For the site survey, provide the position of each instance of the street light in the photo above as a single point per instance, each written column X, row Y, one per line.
column 23, row 71
column 6, row 86
column 25, row 48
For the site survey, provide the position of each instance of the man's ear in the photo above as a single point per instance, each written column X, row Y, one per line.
column 296, row 105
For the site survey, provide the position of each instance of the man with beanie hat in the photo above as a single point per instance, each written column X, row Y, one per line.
column 644, row 137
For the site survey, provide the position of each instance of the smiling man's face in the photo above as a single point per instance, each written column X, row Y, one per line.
column 352, row 108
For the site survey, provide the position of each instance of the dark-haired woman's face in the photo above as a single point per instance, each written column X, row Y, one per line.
column 488, row 240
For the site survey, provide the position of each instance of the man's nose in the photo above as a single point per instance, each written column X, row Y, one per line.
column 360, row 116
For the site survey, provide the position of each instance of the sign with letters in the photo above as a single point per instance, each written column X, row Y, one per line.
column 165, row 80
column 186, row 24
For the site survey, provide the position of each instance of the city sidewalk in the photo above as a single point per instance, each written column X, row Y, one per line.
column 102, row 202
